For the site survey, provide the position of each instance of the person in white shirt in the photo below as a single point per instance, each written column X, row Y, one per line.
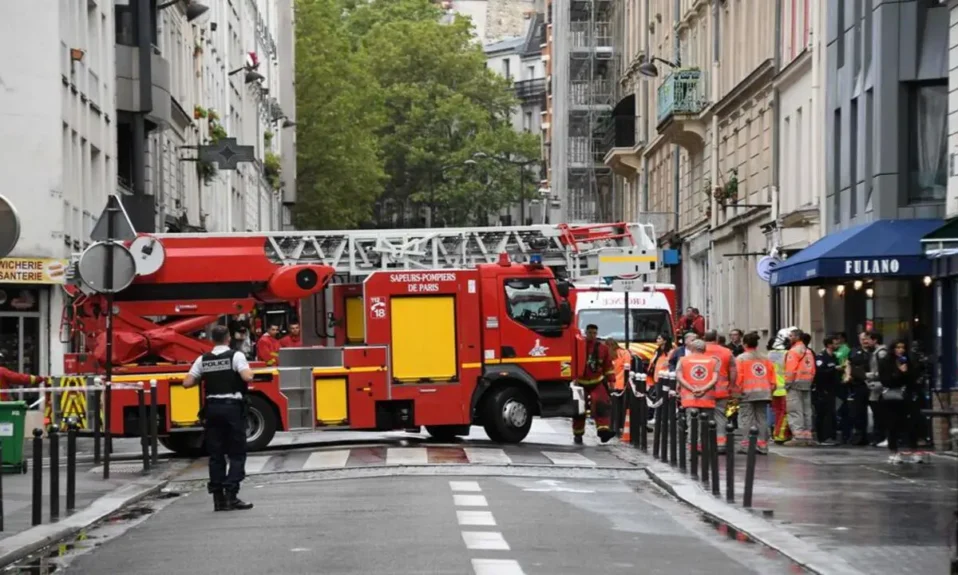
column 225, row 375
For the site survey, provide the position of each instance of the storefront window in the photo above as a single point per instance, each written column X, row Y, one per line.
column 20, row 329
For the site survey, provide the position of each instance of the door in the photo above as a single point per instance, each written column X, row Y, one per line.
column 532, row 334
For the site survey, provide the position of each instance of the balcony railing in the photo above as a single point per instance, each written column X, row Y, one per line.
column 682, row 92
column 591, row 93
column 531, row 89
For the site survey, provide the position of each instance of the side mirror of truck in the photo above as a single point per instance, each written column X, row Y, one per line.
column 565, row 313
column 563, row 288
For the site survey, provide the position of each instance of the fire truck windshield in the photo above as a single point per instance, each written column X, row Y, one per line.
column 645, row 324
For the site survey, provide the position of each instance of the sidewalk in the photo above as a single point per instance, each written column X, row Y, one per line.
column 851, row 505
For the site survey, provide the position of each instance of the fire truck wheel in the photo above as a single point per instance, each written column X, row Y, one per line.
column 260, row 425
column 508, row 415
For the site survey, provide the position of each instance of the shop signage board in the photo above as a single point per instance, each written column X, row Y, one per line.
column 33, row 271
column 9, row 227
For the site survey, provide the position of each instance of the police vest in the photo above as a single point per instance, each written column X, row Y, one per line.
column 219, row 377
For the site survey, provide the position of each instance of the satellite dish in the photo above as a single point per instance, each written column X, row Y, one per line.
column 9, row 227
column 149, row 255
column 93, row 264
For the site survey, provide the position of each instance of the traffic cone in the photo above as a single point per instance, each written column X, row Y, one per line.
column 627, row 428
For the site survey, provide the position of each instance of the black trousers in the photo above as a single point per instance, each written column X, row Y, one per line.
column 858, row 410
column 895, row 419
column 824, row 415
column 618, row 411
column 226, row 439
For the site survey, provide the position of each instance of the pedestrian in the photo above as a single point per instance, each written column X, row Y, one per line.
column 267, row 346
column 596, row 380
column 755, row 382
column 661, row 363
column 825, row 386
column 680, row 351
column 727, row 376
column 225, row 376
column 879, row 355
column 620, row 363
column 895, row 377
column 799, row 374
column 697, row 375
column 735, row 342
column 777, row 348
column 856, row 369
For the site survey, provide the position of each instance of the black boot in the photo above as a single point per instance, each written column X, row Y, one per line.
column 219, row 500
column 235, row 503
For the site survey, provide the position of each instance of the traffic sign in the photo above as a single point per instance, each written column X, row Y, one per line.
column 626, row 262
column 93, row 267
column 9, row 227
column 122, row 226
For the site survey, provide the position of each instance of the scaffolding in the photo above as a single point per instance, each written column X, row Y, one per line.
column 591, row 91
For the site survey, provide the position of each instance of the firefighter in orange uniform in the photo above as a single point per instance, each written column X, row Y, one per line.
column 597, row 377
column 754, row 386
column 727, row 377
column 697, row 374
column 294, row 338
column 621, row 359
column 267, row 346
column 10, row 378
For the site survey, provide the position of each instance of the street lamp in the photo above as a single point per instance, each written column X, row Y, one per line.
column 650, row 70
column 251, row 74
column 432, row 188
column 193, row 9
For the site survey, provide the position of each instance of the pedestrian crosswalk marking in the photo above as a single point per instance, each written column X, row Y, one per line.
column 470, row 500
column 576, row 459
column 496, row 567
column 484, row 541
column 487, row 456
column 407, row 456
column 475, row 518
column 465, row 486
column 334, row 459
column 256, row 463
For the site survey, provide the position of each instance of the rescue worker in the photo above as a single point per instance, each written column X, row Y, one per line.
column 778, row 347
column 799, row 374
column 597, row 378
column 755, row 383
column 727, row 377
column 293, row 338
column 697, row 374
column 225, row 375
column 828, row 380
column 9, row 379
column 621, row 359
column 267, row 346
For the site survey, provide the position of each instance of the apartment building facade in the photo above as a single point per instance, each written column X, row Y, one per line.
column 73, row 99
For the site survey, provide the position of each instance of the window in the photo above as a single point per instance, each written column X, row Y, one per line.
column 837, row 168
column 644, row 324
column 853, row 160
column 928, row 161
column 530, row 302
column 505, row 68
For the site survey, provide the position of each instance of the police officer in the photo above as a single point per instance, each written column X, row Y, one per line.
column 825, row 387
column 225, row 374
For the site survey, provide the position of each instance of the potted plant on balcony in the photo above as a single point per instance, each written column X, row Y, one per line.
column 199, row 112
column 728, row 194
column 272, row 169
column 267, row 138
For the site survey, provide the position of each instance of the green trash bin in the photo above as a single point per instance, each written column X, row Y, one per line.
column 13, row 416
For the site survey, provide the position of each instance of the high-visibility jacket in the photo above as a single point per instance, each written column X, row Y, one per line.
column 725, row 357
column 661, row 364
column 697, row 370
column 756, row 376
column 799, row 367
column 622, row 359
column 777, row 357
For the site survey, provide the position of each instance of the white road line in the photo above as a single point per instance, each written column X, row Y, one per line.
column 407, row 456
column 334, row 459
column 465, row 486
column 476, row 518
column 576, row 459
column 487, row 456
column 496, row 567
column 256, row 463
column 484, row 541
column 470, row 500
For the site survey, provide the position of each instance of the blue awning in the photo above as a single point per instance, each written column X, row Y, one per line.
column 880, row 249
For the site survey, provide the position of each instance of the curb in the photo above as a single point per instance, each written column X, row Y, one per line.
column 756, row 528
column 23, row 544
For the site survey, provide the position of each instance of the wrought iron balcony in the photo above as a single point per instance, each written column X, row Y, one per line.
column 531, row 89
column 682, row 93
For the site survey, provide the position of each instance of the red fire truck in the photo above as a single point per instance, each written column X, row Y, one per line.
column 447, row 328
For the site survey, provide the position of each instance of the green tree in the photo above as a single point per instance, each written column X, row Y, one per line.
column 339, row 112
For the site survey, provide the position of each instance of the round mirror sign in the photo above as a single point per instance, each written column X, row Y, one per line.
column 9, row 227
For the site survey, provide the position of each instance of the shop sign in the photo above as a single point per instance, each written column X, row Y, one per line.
column 33, row 270
column 872, row 267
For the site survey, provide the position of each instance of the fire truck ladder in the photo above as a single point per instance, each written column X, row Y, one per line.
column 361, row 252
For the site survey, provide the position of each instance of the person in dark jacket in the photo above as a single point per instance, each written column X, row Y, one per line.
column 828, row 379
column 856, row 368
column 895, row 373
column 680, row 350
column 735, row 342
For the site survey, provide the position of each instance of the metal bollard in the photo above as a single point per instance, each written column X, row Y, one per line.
column 154, row 435
column 674, row 429
column 750, row 466
column 107, row 436
column 71, row 464
column 730, row 463
column 37, row 476
column 95, row 416
column 713, row 452
column 683, row 437
column 704, row 445
column 1, row 489
column 664, row 439
column 693, row 447
column 643, row 415
column 141, row 415
column 54, row 435
column 657, row 430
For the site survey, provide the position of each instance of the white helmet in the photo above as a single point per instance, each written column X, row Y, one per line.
column 781, row 339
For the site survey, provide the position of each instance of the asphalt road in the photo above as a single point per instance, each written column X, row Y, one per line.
column 429, row 525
